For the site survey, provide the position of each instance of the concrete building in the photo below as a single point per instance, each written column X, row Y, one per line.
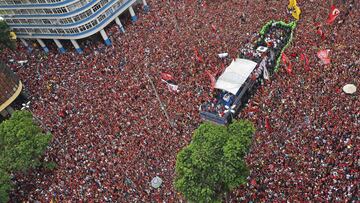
column 64, row 19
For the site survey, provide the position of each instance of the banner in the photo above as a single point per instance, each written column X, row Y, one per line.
column 334, row 12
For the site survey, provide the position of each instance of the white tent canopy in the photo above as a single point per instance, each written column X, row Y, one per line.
column 349, row 89
column 235, row 75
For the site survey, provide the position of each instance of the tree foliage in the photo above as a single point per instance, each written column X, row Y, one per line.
column 5, row 40
column 5, row 186
column 213, row 163
column 22, row 142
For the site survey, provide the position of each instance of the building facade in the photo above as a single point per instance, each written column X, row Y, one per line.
column 10, row 88
column 64, row 19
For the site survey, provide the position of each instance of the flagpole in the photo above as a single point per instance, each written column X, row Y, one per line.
column 174, row 16
column 158, row 98
column 146, row 61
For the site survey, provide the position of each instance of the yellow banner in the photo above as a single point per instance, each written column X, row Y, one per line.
column 295, row 9
column 292, row 4
column 296, row 12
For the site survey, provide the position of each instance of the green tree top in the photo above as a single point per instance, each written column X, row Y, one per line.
column 22, row 142
column 5, row 186
column 5, row 40
column 213, row 163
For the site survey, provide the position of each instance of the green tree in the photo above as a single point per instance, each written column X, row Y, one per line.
column 5, row 186
column 213, row 163
column 22, row 142
column 5, row 40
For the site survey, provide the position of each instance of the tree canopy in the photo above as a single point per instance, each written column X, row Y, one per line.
column 22, row 142
column 5, row 186
column 5, row 39
column 213, row 163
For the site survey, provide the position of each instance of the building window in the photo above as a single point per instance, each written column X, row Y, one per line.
column 48, row 11
column 96, row 7
column 46, row 21
column 82, row 28
column 101, row 17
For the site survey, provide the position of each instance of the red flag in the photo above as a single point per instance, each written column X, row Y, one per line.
column 212, row 79
column 320, row 33
column 213, row 28
column 172, row 87
column 334, row 12
column 169, row 80
column 197, row 55
column 303, row 57
column 287, row 63
column 324, row 56
column 267, row 124
column 166, row 76
column 221, row 70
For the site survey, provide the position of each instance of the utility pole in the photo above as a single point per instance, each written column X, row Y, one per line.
column 146, row 64
column 158, row 98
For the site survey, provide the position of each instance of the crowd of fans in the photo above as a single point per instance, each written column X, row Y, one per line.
column 111, row 136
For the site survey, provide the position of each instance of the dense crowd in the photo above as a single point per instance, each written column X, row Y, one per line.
column 111, row 136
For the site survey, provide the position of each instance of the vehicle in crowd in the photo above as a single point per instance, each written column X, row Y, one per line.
column 258, row 59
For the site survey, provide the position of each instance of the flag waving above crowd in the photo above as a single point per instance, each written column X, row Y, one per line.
column 287, row 63
column 323, row 55
column 334, row 12
column 295, row 10
column 212, row 79
column 168, row 79
column 119, row 114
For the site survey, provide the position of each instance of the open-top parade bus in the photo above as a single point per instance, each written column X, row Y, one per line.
column 257, row 61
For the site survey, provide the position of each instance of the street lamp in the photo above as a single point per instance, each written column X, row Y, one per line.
column 26, row 106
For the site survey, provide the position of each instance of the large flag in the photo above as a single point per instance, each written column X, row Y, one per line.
column 320, row 33
column 295, row 9
column 212, row 80
column 267, row 124
column 221, row 70
column 197, row 55
column 292, row 4
column 296, row 12
column 166, row 76
column 287, row 63
column 170, row 83
column 213, row 27
column 323, row 55
column 173, row 87
column 304, row 58
column 334, row 12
